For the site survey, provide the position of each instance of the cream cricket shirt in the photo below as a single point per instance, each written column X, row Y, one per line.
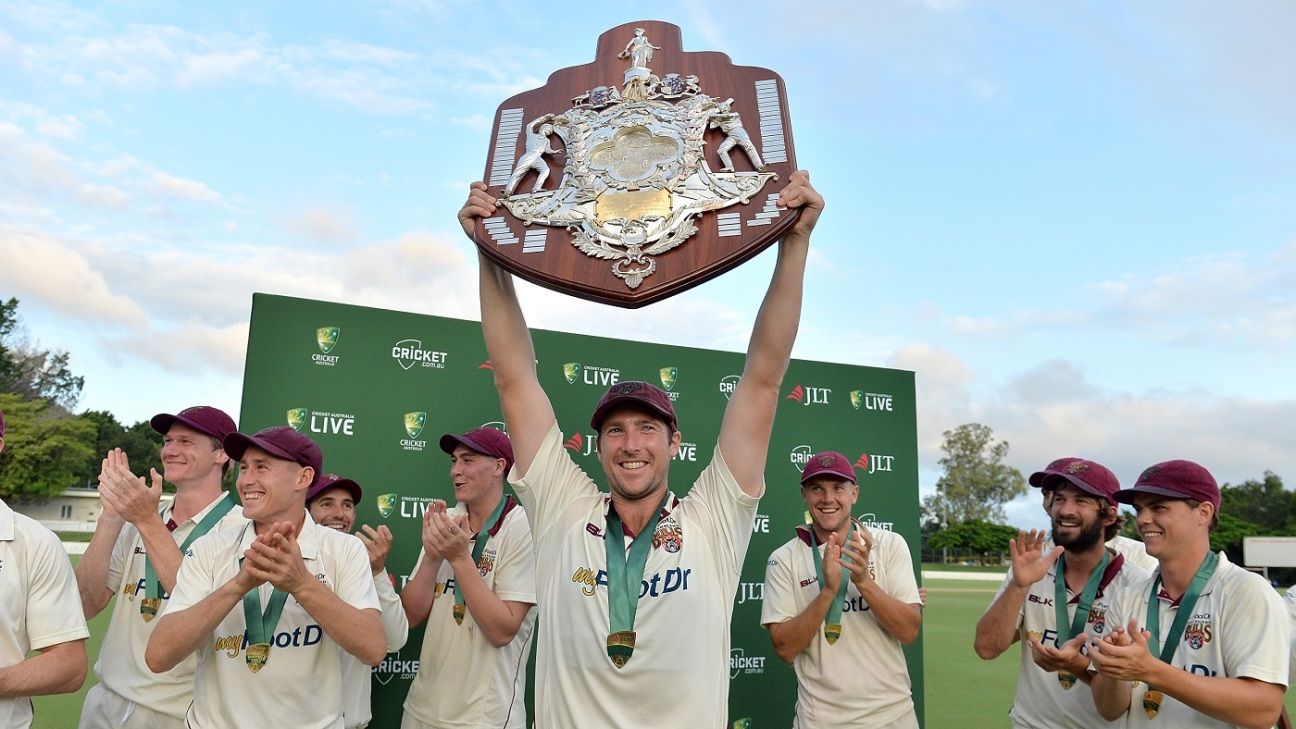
column 679, row 673
column 301, row 684
column 1239, row 628
column 1041, row 701
column 463, row 680
column 357, row 683
column 39, row 603
column 120, row 666
column 861, row 680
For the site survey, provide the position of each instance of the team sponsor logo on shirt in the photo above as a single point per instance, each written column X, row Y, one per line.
column 865, row 400
column 741, row 663
column 300, row 637
column 394, row 665
column 575, row 372
column 668, row 536
column 1198, row 632
column 410, row 352
column 414, row 423
column 138, row 587
column 659, row 584
column 320, row 421
column 728, row 384
column 1098, row 618
column 326, row 338
column 809, row 395
column 487, row 562
column 754, row 591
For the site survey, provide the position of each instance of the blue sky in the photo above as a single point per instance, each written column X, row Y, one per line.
column 1075, row 222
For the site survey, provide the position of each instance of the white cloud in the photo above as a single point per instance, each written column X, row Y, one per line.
column 187, row 347
column 324, row 224
column 58, row 277
column 184, row 188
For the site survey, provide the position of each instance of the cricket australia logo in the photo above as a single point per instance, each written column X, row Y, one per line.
column 636, row 178
column 327, row 338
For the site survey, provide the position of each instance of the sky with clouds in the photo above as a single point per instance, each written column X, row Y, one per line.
column 1075, row 222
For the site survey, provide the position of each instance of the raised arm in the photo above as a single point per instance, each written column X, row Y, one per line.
column 527, row 411
column 999, row 627
column 745, row 430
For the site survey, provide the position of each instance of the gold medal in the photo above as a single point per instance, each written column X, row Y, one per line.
column 256, row 656
column 620, row 646
column 1067, row 680
column 458, row 613
column 832, row 631
column 1151, row 702
column 149, row 608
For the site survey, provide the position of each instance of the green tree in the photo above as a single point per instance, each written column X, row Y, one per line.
column 45, row 451
column 976, row 482
column 141, row 443
column 30, row 372
column 975, row 536
column 1264, row 503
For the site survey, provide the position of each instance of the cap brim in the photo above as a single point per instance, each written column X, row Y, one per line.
column 630, row 401
column 1051, row 477
column 236, row 444
column 346, row 484
column 1126, row 496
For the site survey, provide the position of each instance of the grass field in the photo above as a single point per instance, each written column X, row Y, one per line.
column 963, row 691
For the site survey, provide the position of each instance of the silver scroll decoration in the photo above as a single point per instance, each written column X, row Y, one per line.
column 636, row 178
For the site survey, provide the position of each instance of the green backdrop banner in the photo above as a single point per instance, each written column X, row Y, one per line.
column 376, row 389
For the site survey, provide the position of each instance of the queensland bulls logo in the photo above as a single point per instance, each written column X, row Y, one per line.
column 669, row 536
column 1098, row 619
column 1197, row 634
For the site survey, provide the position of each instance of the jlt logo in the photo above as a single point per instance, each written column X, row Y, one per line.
column 578, row 443
column 321, row 422
column 863, row 400
column 875, row 463
column 751, row 591
column 809, row 395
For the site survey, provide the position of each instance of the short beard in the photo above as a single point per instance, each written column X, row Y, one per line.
column 1082, row 542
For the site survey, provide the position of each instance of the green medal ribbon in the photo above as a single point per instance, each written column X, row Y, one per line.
column 832, row 621
column 624, row 575
column 479, row 545
column 153, row 587
column 261, row 626
column 1066, row 631
column 1152, row 699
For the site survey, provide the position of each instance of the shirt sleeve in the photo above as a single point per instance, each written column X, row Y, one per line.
column 1256, row 633
column 53, row 603
column 896, row 560
column 120, row 557
column 779, row 604
column 730, row 512
column 515, row 574
column 552, row 482
column 395, row 624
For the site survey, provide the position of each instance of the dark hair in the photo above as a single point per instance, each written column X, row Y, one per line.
column 1113, row 528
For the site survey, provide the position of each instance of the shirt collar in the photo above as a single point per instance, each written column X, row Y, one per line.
column 307, row 541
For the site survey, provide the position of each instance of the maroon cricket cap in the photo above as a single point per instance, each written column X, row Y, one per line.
column 828, row 463
column 486, row 441
column 202, row 418
column 635, row 394
column 1089, row 476
column 1176, row 479
column 279, row 441
column 333, row 481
